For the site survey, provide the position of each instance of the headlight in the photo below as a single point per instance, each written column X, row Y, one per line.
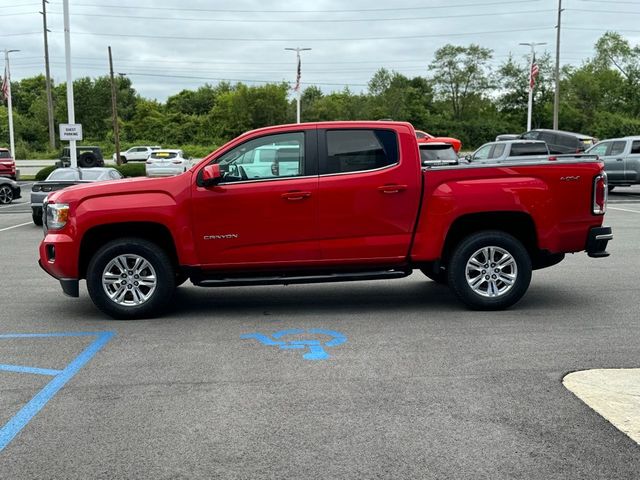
column 57, row 215
column 36, row 188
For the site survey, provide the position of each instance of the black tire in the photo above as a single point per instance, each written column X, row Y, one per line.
column 87, row 160
column 6, row 194
column 165, row 274
column 123, row 160
column 439, row 277
column 36, row 216
column 520, row 267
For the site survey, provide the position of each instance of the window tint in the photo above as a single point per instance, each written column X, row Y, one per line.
column 428, row 154
column 522, row 149
column 4, row 154
column 548, row 137
column 498, row 150
column 635, row 147
column 270, row 157
column 483, row 152
column 617, row 148
column 421, row 135
column 530, row 135
column 358, row 150
column 88, row 174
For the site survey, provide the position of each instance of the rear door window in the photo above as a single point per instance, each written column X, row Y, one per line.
column 360, row 150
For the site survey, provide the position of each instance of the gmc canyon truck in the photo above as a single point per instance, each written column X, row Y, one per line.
column 359, row 205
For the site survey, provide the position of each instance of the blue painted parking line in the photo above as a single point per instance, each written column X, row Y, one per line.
column 23, row 369
column 26, row 413
column 316, row 349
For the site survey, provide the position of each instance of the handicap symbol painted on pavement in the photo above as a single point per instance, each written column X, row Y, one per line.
column 316, row 347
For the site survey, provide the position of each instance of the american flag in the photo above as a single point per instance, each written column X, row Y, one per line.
column 533, row 73
column 5, row 85
column 297, row 87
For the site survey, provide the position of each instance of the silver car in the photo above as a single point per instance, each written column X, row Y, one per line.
column 621, row 157
column 65, row 177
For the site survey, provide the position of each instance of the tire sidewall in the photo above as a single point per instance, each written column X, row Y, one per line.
column 457, row 270
column 88, row 160
column 9, row 192
column 165, row 274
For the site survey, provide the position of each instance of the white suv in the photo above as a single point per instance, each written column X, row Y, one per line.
column 140, row 153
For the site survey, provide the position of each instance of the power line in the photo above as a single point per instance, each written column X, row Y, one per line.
column 348, row 39
column 611, row 1
column 220, row 10
column 16, row 14
column 18, row 34
column 342, row 20
column 615, row 12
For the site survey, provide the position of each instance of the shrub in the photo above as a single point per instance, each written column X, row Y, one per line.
column 44, row 173
column 131, row 169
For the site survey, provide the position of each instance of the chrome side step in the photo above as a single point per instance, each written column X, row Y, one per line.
column 298, row 278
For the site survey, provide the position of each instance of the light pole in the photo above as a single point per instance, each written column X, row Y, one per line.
column 298, row 75
column 533, row 46
column 12, row 145
column 556, row 95
column 71, row 115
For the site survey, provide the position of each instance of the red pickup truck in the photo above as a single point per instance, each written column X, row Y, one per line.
column 341, row 201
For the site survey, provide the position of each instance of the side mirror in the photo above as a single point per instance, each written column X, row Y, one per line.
column 211, row 175
column 468, row 158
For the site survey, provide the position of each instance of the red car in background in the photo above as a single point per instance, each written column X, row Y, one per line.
column 7, row 164
column 424, row 137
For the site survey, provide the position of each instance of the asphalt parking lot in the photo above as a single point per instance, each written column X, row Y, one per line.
column 410, row 385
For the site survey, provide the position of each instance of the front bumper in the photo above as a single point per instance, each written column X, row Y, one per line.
column 597, row 241
column 58, row 254
column 70, row 286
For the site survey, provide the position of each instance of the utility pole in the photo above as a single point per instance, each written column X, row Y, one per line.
column 533, row 46
column 12, row 144
column 52, row 133
column 298, row 75
column 556, row 96
column 114, row 110
column 71, row 114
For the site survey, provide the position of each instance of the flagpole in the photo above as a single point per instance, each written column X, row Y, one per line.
column 298, row 75
column 12, row 145
column 533, row 56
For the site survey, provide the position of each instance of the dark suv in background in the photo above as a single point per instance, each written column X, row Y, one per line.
column 87, row 157
column 560, row 142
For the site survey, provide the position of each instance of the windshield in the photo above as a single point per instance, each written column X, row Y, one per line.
column 63, row 174
column 4, row 154
column 91, row 174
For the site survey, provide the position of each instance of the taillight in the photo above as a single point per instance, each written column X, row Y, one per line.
column 600, row 194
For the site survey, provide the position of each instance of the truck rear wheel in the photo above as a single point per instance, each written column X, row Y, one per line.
column 490, row 270
column 131, row 278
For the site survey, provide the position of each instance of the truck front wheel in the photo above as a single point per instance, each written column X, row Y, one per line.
column 131, row 278
column 490, row 270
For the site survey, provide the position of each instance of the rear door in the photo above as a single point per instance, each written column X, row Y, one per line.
column 614, row 161
column 369, row 187
column 632, row 163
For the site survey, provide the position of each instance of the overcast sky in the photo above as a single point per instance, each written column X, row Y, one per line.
column 168, row 45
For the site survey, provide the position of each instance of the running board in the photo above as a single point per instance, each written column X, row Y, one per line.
column 297, row 279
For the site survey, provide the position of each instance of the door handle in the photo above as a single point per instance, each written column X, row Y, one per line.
column 619, row 159
column 295, row 196
column 392, row 188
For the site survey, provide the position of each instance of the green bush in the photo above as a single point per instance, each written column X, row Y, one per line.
column 44, row 173
column 131, row 169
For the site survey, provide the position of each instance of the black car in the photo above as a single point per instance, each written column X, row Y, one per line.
column 560, row 142
column 88, row 157
column 9, row 190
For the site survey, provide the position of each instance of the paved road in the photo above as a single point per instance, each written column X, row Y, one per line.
column 422, row 388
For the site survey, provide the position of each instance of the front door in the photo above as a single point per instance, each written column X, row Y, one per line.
column 613, row 162
column 258, row 217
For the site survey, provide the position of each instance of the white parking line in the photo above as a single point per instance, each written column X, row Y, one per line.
column 15, row 226
column 624, row 209
column 14, row 205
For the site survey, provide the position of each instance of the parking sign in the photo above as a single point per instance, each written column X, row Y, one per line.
column 70, row 131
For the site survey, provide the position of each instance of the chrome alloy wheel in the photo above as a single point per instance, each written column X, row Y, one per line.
column 6, row 194
column 491, row 272
column 129, row 280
